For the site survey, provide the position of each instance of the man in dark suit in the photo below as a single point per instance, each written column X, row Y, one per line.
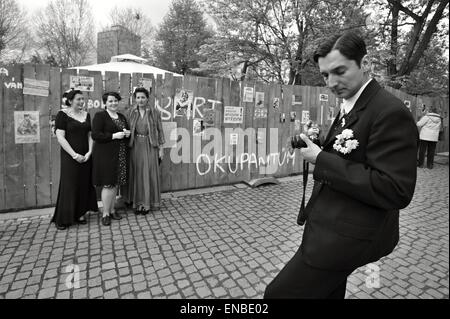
column 364, row 173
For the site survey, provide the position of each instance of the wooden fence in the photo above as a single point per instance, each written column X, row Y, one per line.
column 225, row 152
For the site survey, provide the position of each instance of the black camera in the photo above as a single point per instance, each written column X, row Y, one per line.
column 297, row 142
column 312, row 130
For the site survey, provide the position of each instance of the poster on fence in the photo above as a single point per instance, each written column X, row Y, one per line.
column 233, row 115
column 82, row 83
column 26, row 127
column 297, row 100
column 305, row 117
column 183, row 103
column 260, row 109
column 170, row 134
column 36, row 87
column 248, row 94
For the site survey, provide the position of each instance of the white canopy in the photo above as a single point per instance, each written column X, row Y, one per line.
column 126, row 63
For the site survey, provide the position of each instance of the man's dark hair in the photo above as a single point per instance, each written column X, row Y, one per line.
column 141, row 90
column 349, row 44
column 108, row 94
column 70, row 96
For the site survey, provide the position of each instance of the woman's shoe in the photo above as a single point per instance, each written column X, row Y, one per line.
column 61, row 227
column 137, row 211
column 116, row 216
column 145, row 212
column 106, row 221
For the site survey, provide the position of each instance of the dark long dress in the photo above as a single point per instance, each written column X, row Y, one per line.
column 76, row 194
column 145, row 185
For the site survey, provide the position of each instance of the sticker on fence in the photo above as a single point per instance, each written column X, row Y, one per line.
column 36, row 87
column 198, row 128
column 209, row 118
column 323, row 97
column 248, row 94
column 305, row 117
column 276, row 103
column 26, row 127
column 233, row 115
column 234, row 139
column 82, row 83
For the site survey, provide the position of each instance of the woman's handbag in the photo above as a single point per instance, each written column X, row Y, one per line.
column 441, row 131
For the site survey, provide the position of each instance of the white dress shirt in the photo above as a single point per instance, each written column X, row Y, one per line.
column 348, row 105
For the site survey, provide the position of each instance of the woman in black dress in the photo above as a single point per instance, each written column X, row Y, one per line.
column 111, row 132
column 76, row 194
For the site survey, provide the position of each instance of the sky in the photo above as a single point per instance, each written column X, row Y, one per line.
column 154, row 9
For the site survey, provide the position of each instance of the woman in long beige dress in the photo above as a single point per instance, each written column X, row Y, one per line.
column 146, row 142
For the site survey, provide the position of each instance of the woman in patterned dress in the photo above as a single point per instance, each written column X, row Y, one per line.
column 110, row 132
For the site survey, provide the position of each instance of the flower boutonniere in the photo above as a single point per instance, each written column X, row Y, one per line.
column 345, row 143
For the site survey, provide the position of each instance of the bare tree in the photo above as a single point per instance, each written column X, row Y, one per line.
column 136, row 22
column 65, row 31
column 13, row 31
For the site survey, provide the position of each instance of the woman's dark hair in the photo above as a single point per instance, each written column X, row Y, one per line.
column 349, row 44
column 141, row 90
column 70, row 96
column 107, row 94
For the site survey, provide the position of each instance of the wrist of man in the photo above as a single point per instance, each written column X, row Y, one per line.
column 75, row 156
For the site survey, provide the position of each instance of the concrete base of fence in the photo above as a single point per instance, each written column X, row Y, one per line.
column 262, row 181
column 441, row 158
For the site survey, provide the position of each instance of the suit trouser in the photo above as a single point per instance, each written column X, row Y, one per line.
column 298, row 280
column 430, row 149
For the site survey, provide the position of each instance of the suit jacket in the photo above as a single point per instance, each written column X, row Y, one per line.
column 353, row 213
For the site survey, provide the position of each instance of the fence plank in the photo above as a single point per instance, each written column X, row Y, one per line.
column 55, row 104
column 94, row 100
column 43, row 149
column 181, row 170
column 2, row 145
column 205, row 91
column 190, row 83
column 29, row 150
column 167, row 92
column 286, row 108
column 125, row 91
column 14, row 179
column 112, row 82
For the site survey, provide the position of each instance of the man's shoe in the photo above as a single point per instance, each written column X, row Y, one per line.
column 116, row 216
column 61, row 227
column 82, row 221
column 137, row 211
column 106, row 221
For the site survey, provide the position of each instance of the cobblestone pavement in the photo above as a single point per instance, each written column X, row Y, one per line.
column 227, row 244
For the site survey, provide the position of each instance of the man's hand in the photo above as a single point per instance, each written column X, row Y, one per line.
column 311, row 152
